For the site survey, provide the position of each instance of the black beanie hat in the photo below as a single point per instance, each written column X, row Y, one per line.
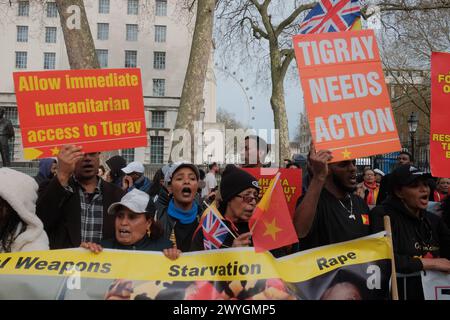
column 234, row 181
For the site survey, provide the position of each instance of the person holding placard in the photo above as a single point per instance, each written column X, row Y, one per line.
column 330, row 212
column 73, row 205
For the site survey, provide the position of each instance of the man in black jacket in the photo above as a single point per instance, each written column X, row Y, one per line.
column 73, row 205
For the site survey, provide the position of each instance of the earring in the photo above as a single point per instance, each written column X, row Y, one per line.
column 148, row 231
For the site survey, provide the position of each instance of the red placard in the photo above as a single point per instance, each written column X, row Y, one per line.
column 346, row 98
column 440, row 115
column 98, row 109
column 290, row 179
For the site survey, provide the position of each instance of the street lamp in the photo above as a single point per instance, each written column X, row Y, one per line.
column 412, row 127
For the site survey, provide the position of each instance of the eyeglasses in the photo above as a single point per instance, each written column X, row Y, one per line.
column 248, row 198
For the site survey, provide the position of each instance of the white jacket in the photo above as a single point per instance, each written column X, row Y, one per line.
column 20, row 191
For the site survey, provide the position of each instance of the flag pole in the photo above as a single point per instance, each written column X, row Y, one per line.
column 220, row 217
column 277, row 177
column 387, row 228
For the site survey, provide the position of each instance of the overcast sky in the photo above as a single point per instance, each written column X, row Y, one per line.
column 232, row 97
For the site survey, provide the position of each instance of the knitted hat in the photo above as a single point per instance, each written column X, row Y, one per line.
column 234, row 181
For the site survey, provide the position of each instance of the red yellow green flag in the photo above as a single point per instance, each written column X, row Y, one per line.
column 271, row 223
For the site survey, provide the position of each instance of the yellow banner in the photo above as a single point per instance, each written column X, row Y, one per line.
column 223, row 265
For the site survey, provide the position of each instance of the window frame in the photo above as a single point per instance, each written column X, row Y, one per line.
column 50, row 54
column 22, row 38
column 48, row 34
column 135, row 34
column 17, row 59
column 159, row 60
column 158, row 119
column 133, row 10
column 102, row 31
column 51, row 10
column 156, row 156
column 160, row 37
column 161, row 8
column 21, row 8
column 98, row 51
column 127, row 53
column 155, row 87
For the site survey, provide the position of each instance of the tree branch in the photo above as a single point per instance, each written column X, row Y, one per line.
column 292, row 17
column 288, row 57
column 257, row 31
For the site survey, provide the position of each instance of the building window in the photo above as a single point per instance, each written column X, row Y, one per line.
column 103, row 6
column 158, row 119
column 49, row 60
column 159, row 60
column 21, row 60
column 133, row 7
column 128, row 154
column 130, row 59
column 161, row 8
column 132, row 32
column 50, row 34
column 156, row 149
column 102, row 56
column 160, row 33
column 102, row 31
column 159, row 87
column 24, row 8
column 52, row 10
column 22, row 33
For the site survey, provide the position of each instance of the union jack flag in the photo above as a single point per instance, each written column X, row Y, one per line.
column 214, row 231
column 331, row 16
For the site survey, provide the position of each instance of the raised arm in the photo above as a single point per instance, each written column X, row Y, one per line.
column 306, row 211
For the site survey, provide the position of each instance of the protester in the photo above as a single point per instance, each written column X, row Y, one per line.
column 239, row 192
column 115, row 173
column 179, row 218
column 293, row 165
column 421, row 239
column 135, row 228
column 135, row 178
column 255, row 152
column 369, row 188
column 378, row 175
column 403, row 158
column 102, row 172
column 441, row 192
column 329, row 212
column 47, row 170
column 20, row 228
column 445, row 210
column 73, row 206
column 210, row 179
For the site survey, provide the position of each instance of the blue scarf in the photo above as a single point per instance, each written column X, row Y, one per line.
column 185, row 217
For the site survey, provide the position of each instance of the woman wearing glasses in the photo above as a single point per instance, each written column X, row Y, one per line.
column 239, row 193
column 421, row 239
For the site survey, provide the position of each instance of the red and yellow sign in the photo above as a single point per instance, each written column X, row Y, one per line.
column 440, row 115
column 290, row 179
column 96, row 109
column 346, row 99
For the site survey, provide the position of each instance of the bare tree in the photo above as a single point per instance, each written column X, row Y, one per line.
column 261, row 31
column 229, row 120
column 191, row 102
column 77, row 34
column 408, row 39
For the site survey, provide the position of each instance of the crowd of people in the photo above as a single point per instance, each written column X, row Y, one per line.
column 76, row 202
